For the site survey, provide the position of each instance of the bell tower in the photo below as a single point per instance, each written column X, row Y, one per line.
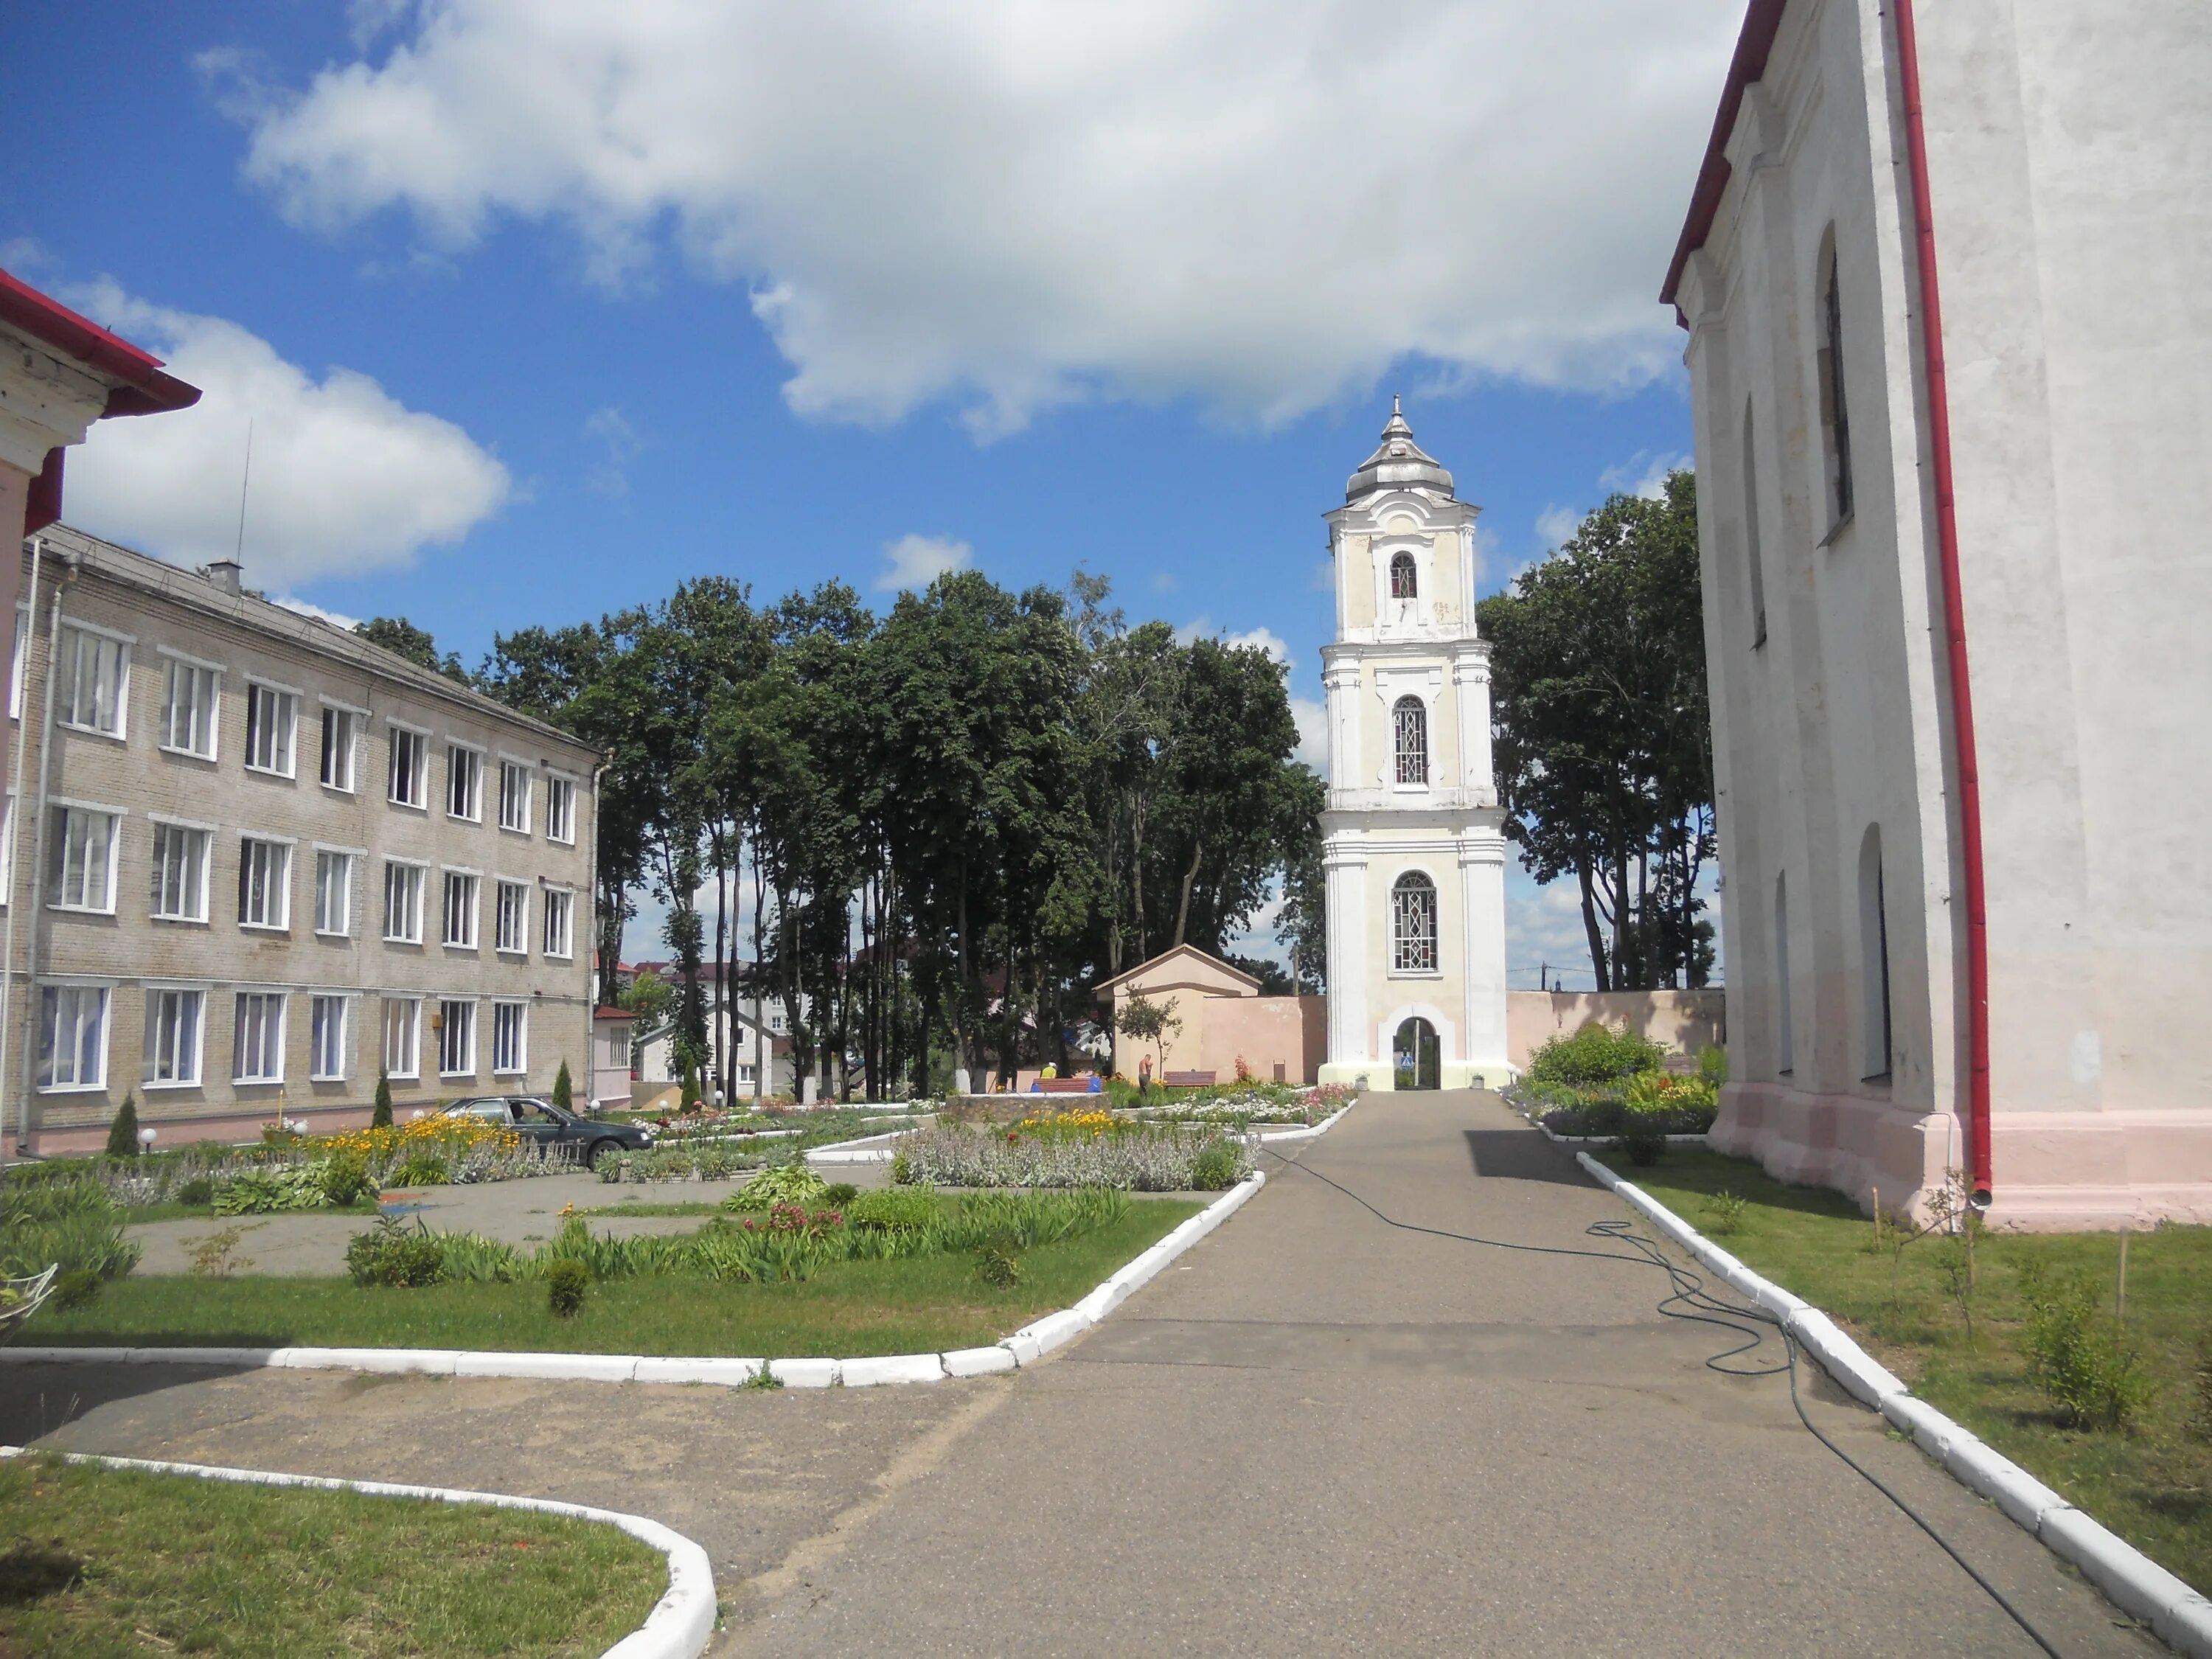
column 1411, row 838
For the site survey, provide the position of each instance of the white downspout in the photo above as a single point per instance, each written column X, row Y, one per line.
column 20, row 670
column 38, row 858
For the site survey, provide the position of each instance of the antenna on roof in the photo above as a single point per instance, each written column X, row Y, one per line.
column 245, row 479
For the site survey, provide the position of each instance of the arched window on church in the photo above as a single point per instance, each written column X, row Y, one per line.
column 1409, row 723
column 1404, row 584
column 1414, row 924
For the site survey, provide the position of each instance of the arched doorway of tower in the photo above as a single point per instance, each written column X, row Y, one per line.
column 1417, row 1055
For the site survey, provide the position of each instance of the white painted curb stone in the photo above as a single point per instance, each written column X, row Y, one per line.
column 891, row 1367
column 978, row 1362
column 678, row 1627
column 2135, row 1583
column 1310, row 1132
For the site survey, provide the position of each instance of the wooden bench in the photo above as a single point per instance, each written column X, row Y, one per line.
column 1063, row 1085
column 1187, row 1080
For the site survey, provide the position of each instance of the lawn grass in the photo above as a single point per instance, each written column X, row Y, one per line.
column 642, row 1208
column 175, row 1564
column 925, row 1304
column 2152, row 1483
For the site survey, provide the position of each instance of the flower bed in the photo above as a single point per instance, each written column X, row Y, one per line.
column 1244, row 1106
column 707, row 1160
column 1130, row 1154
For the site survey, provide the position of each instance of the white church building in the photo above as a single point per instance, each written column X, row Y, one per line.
column 1412, row 836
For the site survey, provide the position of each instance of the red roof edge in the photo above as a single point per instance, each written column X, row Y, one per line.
column 1760, row 25
column 145, row 390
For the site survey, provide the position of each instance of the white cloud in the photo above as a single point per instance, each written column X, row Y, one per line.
column 1164, row 581
column 1556, row 524
column 335, row 618
column 620, row 444
column 1312, row 715
column 914, row 562
column 1258, row 205
column 1263, row 639
column 1645, row 473
column 345, row 478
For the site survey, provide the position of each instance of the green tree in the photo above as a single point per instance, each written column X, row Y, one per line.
column 123, row 1132
column 401, row 637
column 1156, row 1023
column 563, row 1088
column 1601, row 733
column 381, row 1117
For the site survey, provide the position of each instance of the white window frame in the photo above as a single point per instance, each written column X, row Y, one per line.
column 21, row 664
column 260, row 998
column 520, row 825
column 419, row 740
column 502, row 887
column 353, row 720
column 68, row 809
column 518, row 1063
column 281, row 888
column 560, row 826
column 421, row 888
column 203, row 673
column 410, row 1027
column 204, row 878
column 475, row 752
column 320, row 1004
column 1411, row 891
column 65, row 702
column 559, row 902
column 285, row 701
column 445, row 1007
column 474, row 909
column 352, row 856
column 156, row 1026
column 50, row 997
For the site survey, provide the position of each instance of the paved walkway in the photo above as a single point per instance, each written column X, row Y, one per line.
column 1316, row 1434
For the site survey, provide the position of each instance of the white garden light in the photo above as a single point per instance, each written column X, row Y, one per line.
column 145, row 1137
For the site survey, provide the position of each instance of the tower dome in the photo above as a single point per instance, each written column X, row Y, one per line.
column 1398, row 463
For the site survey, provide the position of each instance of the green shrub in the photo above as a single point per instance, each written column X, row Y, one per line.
column 73, row 1225
column 839, row 1193
column 1217, row 1167
column 420, row 1169
column 998, row 1264
column 200, row 1189
column 381, row 1117
column 1596, row 1054
column 895, row 1209
column 563, row 1088
column 1724, row 1212
column 393, row 1253
column 782, row 1183
column 123, row 1133
column 1712, row 1065
column 1644, row 1138
column 470, row 1258
column 689, row 1100
column 566, row 1281
column 2082, row 1364
column 2200, row 1413
column 345, row 1178
column 75, row 1288
column 267, row 1192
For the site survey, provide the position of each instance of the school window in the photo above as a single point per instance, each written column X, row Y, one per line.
column 265, row 883
column 73, row 1037
column 403, row 903
column 333, row 892
column 272, row 719
column 460, row 911
column 172, row 1037
column 457, row 1039
column 328, row 1047
column 189, row 690
column 258, row 1053
column 411, row 765
column 560, row 912
column 403, row 1038
column 560, row 810
column 512, row 931
column 82, row 875
column 510, row 1033
column 92, row 672
column 464, row 783
column 180, row 864
column 513, row 796
column 341, row 740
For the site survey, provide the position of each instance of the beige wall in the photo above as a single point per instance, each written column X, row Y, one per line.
column 1686, row 1021
column 1265, row 1032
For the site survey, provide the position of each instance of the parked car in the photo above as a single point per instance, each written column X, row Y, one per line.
column 538, row 1119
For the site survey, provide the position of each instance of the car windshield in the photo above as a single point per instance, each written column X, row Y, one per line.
column 538, row 1112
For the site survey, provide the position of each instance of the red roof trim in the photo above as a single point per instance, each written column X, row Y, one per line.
column 1760, row 25
column 145, row 390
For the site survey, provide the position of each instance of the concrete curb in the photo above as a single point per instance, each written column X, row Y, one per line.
column 2134, row 1583
column 1025, row 1348
column 678, row 1627
column 851, row 1152
column 1311, row 1132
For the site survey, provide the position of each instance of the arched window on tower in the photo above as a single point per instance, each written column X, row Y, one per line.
column 1409, row 723
column 1414, row 924
column 1404, row 583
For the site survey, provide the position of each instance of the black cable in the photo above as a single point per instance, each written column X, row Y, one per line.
column 1698, row 1304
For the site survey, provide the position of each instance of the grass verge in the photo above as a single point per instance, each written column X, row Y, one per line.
column 118, row 1561
column 139, row 1215
column 2151, row 1483
column 922, row 1306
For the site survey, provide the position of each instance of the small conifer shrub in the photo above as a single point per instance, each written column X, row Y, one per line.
column 123, row 1133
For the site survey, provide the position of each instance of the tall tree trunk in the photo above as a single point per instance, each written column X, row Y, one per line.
column 1591, row 928
column 761, row 1050
column 1183, row 904
column 719, row 1039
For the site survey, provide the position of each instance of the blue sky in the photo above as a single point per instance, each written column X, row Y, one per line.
column 536, row 308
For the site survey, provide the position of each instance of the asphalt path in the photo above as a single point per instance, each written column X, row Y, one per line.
column 1317, row 1433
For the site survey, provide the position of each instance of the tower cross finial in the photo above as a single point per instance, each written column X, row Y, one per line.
column 1394, row 409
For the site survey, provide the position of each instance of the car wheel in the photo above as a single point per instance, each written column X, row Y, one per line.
column 601, row 1149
